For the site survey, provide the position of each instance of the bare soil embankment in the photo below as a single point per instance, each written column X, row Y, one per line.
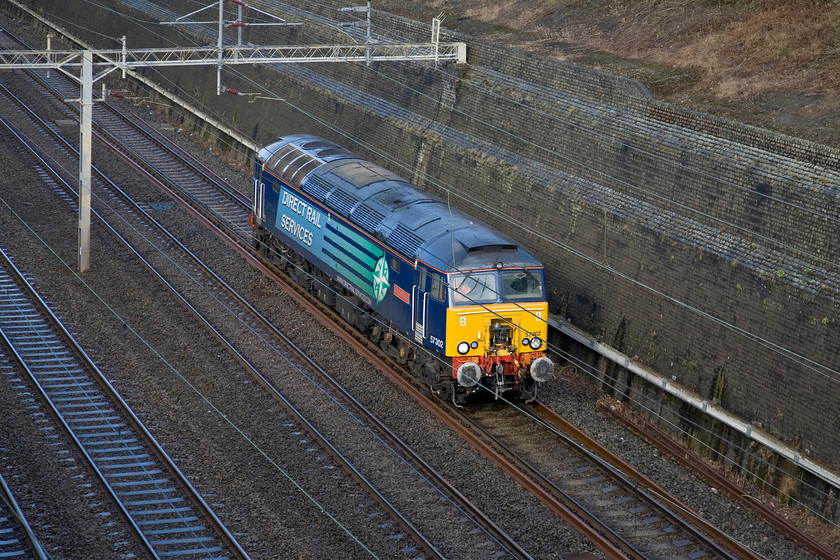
column 774, row 64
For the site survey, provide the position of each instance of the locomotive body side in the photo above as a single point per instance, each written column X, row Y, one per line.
column 374, row 275
column 471, row 299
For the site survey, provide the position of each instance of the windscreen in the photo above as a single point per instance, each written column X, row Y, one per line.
column 473, row 288
column 522, row 284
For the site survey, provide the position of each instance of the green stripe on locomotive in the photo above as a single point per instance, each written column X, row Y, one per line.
column 349, row 254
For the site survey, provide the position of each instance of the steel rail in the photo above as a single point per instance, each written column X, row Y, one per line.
column 322, row 440
column 80, row 447
column 645, row 484
column 571, row 511
column 584, row 527
column 615, row 542
column 612, row 480
column 692, row 461
column 126, row 501
column 387, row 366
column 15, row 522
column 245, row 251
column 186, row 181
column 237, row 244
column 229, row 541
column 393, row 372
column 328, row 446
column 186, row 158
column 606, row 539
column 726, row 541
column 243, row 247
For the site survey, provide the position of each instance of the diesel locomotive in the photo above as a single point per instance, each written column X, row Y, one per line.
column 460, row 304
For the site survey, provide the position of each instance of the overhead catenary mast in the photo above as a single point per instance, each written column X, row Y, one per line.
column 106, row 61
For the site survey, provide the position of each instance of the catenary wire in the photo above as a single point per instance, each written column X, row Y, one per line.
column 385, row 156
column 284, row 357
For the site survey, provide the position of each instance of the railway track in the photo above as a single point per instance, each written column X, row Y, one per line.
column 629, row 523
column 160, row 505
column 635, row 524
column 237, row 306
column 16, row 537
column 605, row 499
column 637, row 517
column 646, row 530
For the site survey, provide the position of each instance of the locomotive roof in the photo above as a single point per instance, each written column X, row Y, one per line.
column 416, row 224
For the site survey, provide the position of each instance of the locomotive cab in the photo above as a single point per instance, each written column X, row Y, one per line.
column 496, row 329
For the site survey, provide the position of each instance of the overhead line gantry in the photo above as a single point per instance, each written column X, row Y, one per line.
column 125, row 59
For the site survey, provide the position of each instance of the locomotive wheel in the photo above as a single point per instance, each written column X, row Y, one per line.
column 390, row 349
column 418, row 362
column 405, row 352
column 434, row 376
column 375, row 333
column 418, row 371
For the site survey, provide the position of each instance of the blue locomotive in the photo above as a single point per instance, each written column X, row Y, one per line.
column 463, row 306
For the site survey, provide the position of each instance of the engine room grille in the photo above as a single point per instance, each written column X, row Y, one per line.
column 342, row 202
column 367, row 218
column 317, row 187
column 404, row 241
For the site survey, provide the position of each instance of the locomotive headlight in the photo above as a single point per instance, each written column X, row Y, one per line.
column 463, row 347
column 469, row 374
column 535, row 343
column 473, row 344
column 526, row 341
column 542, row 369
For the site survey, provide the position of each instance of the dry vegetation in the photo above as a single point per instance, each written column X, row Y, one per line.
column 773, row 63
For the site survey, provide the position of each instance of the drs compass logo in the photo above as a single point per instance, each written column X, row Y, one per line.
column 380, row 279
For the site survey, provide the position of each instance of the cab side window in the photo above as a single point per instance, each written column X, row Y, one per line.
column 436, row 289
column 421, row 282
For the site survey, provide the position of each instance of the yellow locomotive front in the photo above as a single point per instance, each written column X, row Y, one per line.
column 496, row 330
